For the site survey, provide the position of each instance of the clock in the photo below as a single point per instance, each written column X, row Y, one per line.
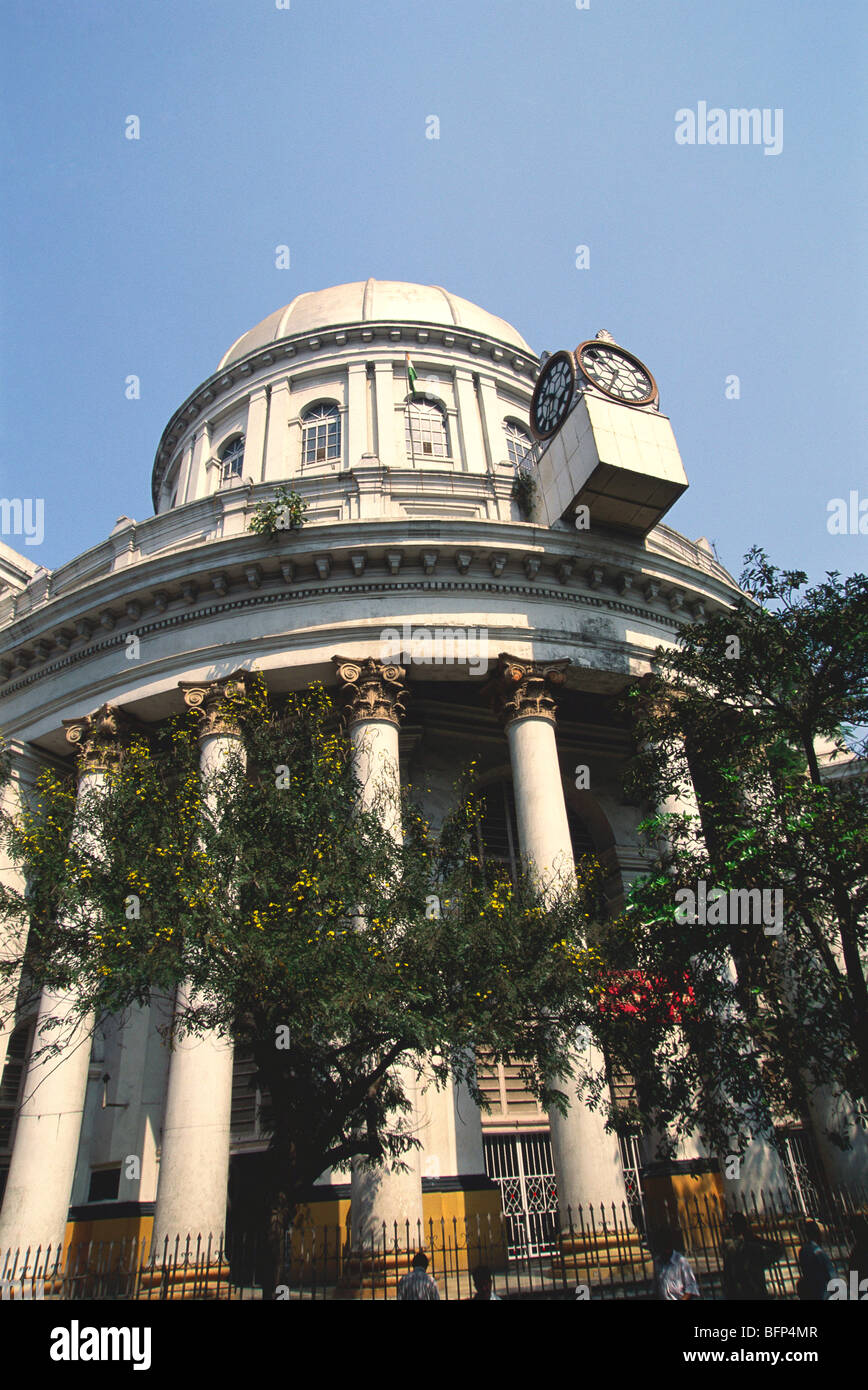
column 615, row 372
column 553, row 394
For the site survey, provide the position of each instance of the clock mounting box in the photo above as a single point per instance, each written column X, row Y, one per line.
column 620, row 461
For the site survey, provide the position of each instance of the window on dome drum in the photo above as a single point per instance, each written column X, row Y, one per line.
column 425, row 431
column 518, row 442
column 231, row 459
column 321, row 438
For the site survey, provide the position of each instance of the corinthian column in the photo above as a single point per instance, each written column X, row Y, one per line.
column 587, row 1160
column 36, row 1201
column 194, row 1162
column 374, row 695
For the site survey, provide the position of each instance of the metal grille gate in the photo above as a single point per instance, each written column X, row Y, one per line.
column 631, row 1164
column 800, row 1169
column 522, row 1167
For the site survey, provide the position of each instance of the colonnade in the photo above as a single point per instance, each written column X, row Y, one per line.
column 194, row 1163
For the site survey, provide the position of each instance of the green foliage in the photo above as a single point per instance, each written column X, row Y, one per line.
column 283, row 903
column 525, row 490
column 285, row 513
column 739, row 722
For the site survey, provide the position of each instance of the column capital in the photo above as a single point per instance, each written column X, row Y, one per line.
column 99, row 739
column 215, row 703
column 661, row 696
column 522, row 689
column 371, row 689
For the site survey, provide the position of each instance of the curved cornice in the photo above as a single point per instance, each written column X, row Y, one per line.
column 333, row 558
column 240, row 592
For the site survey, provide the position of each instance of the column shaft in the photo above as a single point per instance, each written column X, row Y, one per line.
column 194, row 1159
column 384, row 1196
column 36, row 1201
column 587, row 1159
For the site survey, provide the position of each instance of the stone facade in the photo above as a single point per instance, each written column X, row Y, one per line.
column 428, row 541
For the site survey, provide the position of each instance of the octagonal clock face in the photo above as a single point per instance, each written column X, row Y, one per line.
column 615, row 372
column 553, row 395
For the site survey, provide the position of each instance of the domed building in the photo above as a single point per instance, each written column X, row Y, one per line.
column 410, row 422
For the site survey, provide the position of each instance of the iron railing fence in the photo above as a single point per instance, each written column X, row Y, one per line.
column 601, row 1253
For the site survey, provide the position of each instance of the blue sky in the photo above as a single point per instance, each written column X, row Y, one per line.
column 306, row 126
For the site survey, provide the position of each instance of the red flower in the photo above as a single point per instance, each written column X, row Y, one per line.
column 633, row 992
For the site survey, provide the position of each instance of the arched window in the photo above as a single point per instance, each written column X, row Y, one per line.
column 231, row 459
column 321, row 437
column 518, row 442
column 425, row 430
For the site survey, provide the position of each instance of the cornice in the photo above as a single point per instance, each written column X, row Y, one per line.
column 198, row 612
column 645, row 581
column 281, row 584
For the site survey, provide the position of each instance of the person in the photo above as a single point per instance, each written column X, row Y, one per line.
column 746, row 1259
column 418, row 1286
column 817, row 1269
column 482, row 1282
column 674, row 1280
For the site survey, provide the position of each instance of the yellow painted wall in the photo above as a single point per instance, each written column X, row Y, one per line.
column 321, row 1231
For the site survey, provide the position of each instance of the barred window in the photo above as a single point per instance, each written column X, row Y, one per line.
column 518, row 442
column 425, row 430
column 231, row 459
column 321, row 438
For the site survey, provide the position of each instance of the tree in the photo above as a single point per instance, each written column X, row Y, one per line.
column 306, row 931
column 739, row 708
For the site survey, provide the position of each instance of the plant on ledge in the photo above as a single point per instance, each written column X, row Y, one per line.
column 284, row 513
column 524, row 491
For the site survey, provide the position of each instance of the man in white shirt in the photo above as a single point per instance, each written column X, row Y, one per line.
column 674, row 1280
column 418, row 1286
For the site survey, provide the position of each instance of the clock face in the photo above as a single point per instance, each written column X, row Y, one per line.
column 616, row 373
column 553, row 395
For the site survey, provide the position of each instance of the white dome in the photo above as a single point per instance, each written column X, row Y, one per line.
column 372, row 300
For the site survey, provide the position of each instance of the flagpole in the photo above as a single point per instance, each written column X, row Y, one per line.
column 409, row 403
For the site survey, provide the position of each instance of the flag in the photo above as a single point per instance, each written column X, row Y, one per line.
column 411, row 372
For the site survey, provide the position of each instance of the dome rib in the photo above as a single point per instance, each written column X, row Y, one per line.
column 449, row 301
